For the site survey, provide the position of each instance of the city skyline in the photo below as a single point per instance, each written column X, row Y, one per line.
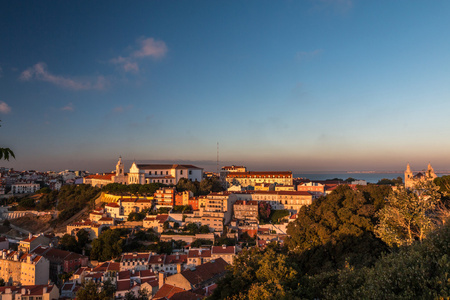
column 304, row 86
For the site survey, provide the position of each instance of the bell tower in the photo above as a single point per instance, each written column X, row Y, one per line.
column 119, row 167
column 408, row 176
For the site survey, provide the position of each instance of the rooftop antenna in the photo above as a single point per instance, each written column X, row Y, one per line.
column 217, row 158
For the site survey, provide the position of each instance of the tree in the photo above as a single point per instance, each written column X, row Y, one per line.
column 134, row 216
column 107, row 246
column 264, row 211
column 94, row 291
column 5, row 153
column 407, row 215
column 69, row 243
column 83, row 238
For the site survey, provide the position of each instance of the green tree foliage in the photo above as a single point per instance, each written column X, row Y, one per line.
column 444, row 188
column 73, row 198
column 192, row 228
column 338, row 229
column 47, row 201
column 95, row 291
column 132, row 189
column 419, row 271
column 27, row 203
column 385, row 181
column 83, row 238
column 278, row 215
column 257, row 274
column 264, row 211
column 162, row 247
column 203, row 187
column 342, row 213
column 134, row 216
column 44, row 190
column 201, row 242
column 69, row 242
column 107, row 246
column 181, row 208
column 407, row 214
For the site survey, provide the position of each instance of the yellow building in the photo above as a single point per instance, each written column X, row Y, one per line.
column 25, row 269
column 289, row 200
column 254, row 178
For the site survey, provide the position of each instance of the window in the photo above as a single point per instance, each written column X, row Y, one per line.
column 161, row 172
column 167, row 172
column 190, row 172
column 181, row 172
column 150, row 173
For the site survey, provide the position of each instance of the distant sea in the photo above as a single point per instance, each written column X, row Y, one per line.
column 369, row 177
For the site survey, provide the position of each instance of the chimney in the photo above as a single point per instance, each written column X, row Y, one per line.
column 30, row 235
column 161, row 278
column 179, row 268
column 44, row 290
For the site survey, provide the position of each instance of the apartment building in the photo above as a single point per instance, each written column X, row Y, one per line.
column 289, row 200
column 253, row 178
column 22, row 268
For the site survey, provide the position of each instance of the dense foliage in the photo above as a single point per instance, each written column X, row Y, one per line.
column 75, row 244
column 407, row 215
column 333, row 253
column 91, row 290
column 132, row 189
column 385, row 181
column 73, row 198
column 107, row 246
column 333, row 232
column 203, row 187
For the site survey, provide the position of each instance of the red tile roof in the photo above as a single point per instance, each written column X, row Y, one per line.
column 223, row 250
column 284, row 174
column 205, row 271
column 167, row 291
column 199, row 253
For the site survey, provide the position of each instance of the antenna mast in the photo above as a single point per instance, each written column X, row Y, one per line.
column 217, row 158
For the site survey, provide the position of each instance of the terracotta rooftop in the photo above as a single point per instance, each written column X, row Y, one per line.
column 199, row 253
column 223, row 250
column 167, row 291
column 205, row 271
column 260, row 174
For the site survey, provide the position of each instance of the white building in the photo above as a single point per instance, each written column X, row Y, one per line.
column 163, row 173
column 24, row 188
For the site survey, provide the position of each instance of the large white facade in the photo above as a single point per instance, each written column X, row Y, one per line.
column 163, row 173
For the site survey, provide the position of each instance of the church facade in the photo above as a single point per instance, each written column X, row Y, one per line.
column 412, row 179
column 163, row 173
column 168, row 174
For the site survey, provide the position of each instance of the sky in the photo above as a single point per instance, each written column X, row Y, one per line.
column 312, row 85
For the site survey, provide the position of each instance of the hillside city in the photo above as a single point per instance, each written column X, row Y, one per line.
column 173, row 231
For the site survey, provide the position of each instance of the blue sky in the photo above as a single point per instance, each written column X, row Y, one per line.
column 282, row 85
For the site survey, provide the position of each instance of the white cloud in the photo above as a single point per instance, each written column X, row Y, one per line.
column 39, row 72
column 68, row 107
column 305, row 55
column 4, row 108
column 148, row 47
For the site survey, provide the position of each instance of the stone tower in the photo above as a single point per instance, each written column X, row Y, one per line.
column 119, row 167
